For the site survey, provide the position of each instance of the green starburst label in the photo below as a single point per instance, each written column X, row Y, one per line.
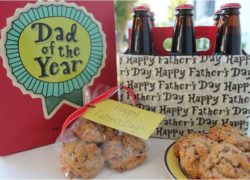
column 52, row 51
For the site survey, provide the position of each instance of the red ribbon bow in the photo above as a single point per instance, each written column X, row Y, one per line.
column 106, row 95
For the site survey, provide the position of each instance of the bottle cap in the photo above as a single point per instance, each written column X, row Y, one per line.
column 218, row 11
column 141, row 8
column 230, row 5
column 152, row 13
column 184, row 6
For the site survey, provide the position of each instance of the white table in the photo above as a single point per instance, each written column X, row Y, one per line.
column 43, row 163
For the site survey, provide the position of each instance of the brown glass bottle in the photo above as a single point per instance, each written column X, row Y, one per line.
column 231, row 31
column 141, row 36
column 219, row 33
column 183, row 42
column 217, row 18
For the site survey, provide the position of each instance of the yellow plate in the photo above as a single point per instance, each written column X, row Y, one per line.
column 172, row 164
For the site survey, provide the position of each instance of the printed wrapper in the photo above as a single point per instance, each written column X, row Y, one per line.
column 194, row 92
column 86, row 148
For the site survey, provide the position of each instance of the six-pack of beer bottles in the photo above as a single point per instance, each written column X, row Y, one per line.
column 228, row 40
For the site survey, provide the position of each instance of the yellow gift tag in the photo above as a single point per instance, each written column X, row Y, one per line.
column 123, row 117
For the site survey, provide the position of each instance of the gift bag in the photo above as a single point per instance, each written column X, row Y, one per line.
column 50, row 51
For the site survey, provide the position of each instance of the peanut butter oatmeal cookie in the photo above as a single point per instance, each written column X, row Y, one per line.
column 192, row 152
column 81, row 159
column 225, row 161
column 180, row 140
column 231, row 135
column 89, row 132
column 124, row 152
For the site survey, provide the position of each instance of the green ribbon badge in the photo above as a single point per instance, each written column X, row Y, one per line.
column 52, row 51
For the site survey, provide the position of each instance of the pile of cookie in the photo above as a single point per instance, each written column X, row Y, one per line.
column 223, row 153
column 95, row 146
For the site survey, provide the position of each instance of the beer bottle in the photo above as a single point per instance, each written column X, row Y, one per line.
column 231, row 31
column 141, row 37
column 183, row 42
column 152, row 18
column 219, row 32
column 217, row 18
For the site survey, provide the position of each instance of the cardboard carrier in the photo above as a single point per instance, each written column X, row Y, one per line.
column 50, row 51
column 194, row 92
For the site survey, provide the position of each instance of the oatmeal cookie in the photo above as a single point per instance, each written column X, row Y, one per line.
column 231, row 135
column 89, row 132
column 192, row 152
column 81, row 159
column 124, row 152
column 109, row 133
column 225, row 161
column 180, row 140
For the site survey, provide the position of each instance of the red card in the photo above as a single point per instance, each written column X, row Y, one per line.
column 49, row 52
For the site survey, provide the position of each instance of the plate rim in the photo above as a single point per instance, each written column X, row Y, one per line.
column 165, row 160
column 166, row 164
